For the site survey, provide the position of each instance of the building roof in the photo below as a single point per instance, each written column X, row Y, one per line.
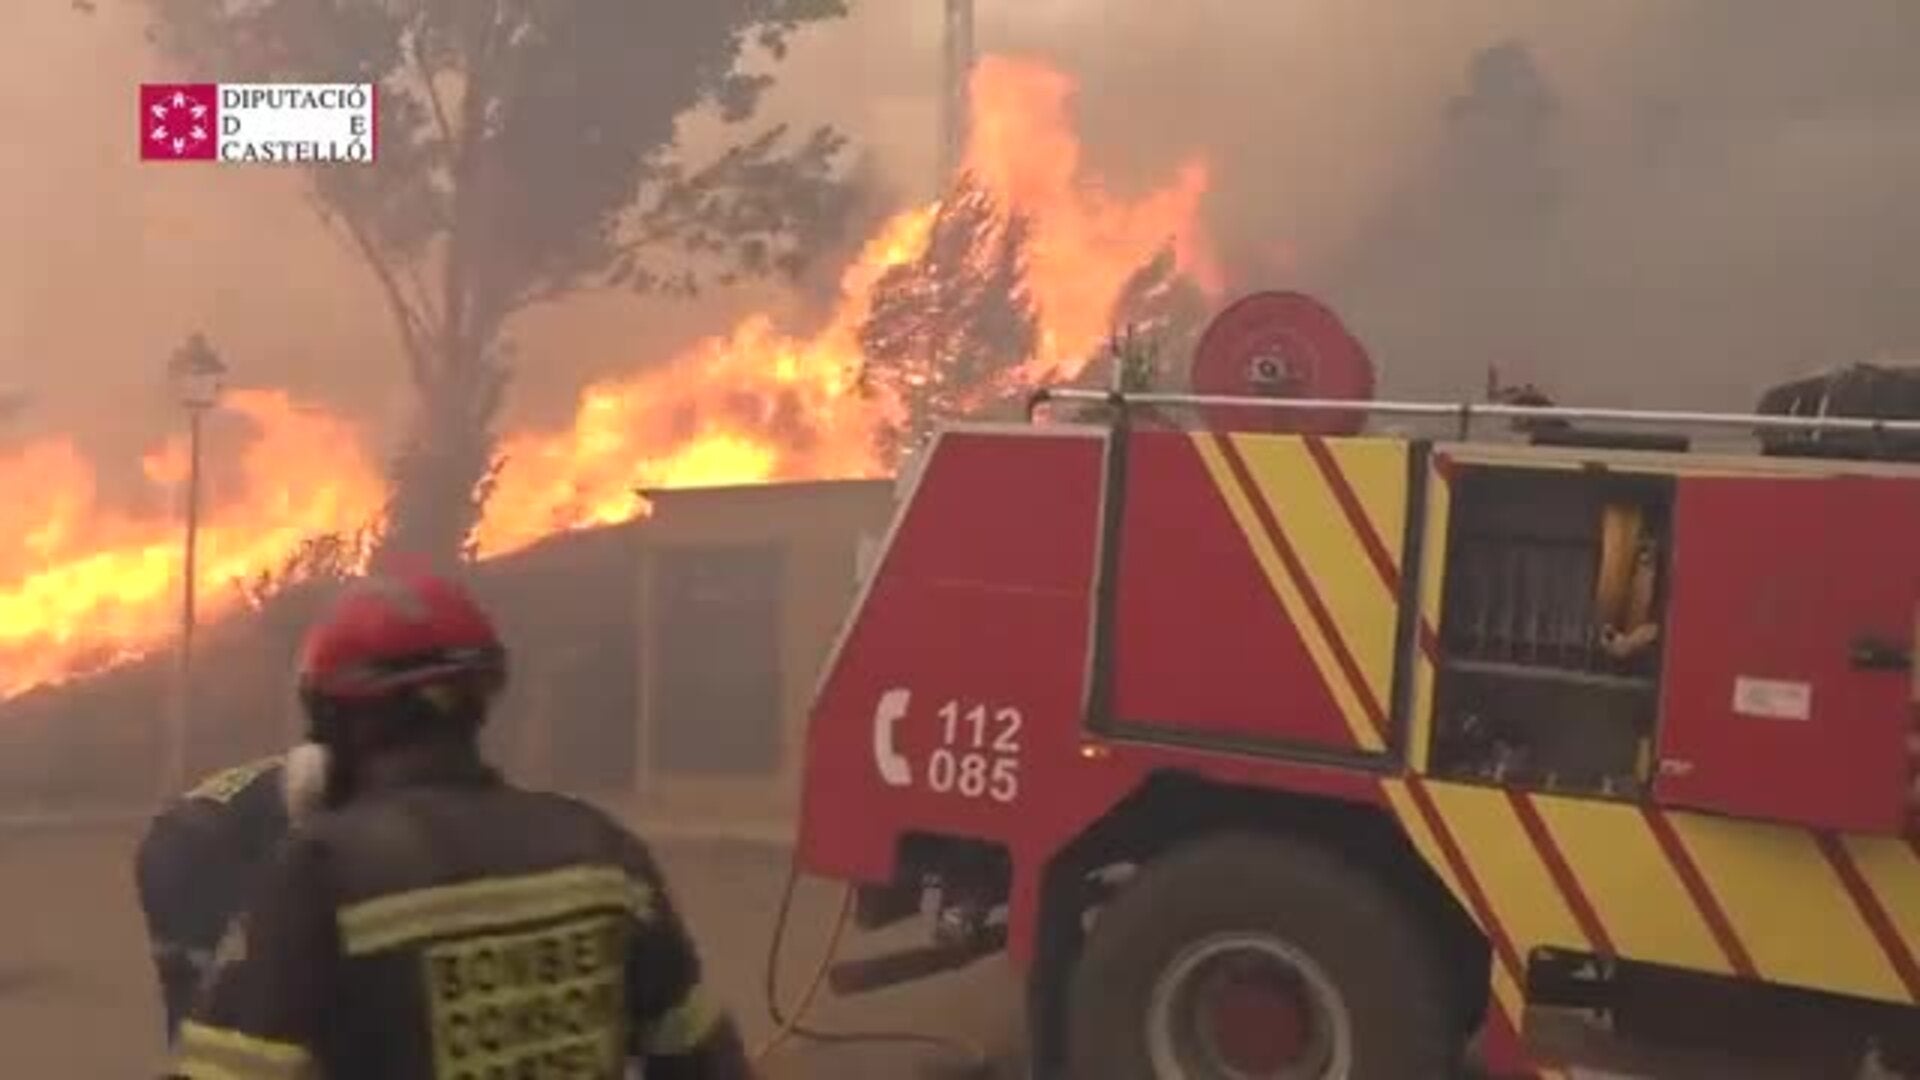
column 780, row 489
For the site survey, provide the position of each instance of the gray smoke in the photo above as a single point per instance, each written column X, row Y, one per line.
column 1724, row 196
column 1690, row 200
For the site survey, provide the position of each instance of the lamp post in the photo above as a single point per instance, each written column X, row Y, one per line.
column 198, row 376
column 957, row 60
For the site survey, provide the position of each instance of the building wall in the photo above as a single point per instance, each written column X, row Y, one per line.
column 710, row 558
column 567, row 614
column 587, row 651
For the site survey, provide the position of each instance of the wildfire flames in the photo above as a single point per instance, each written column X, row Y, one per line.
column 84, row 585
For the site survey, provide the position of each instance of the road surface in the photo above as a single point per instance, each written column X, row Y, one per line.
column 76, row 1000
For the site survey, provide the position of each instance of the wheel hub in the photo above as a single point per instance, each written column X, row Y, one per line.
column 1247, row 1007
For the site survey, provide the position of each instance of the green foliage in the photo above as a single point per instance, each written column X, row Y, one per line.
column 1139, row 360
column 528, row 149
column 1159, row 315
column 540, row 134
column 1164, row 313
column 945, row 332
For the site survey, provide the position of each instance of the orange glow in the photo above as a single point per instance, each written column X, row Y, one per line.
column 84, row 585
column 755, row 405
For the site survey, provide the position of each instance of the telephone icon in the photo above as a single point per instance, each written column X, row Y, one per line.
column 894, row 767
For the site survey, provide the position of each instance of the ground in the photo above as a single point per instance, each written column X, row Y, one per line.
column 77, row 1001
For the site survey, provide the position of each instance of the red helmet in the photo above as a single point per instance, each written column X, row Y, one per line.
column 397, row 632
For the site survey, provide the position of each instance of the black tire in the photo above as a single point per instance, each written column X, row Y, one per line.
column 1372, row 950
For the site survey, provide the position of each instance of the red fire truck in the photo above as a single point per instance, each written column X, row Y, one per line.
column 1267, row 746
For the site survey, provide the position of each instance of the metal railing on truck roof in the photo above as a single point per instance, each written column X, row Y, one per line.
column 1465, row 413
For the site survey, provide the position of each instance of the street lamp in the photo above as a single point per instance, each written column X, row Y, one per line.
column 198, row 376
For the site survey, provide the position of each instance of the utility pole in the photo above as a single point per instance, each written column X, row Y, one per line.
column 957, row 74
column 198, row 376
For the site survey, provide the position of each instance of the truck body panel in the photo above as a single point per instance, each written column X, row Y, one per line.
column 1299, row 647
column 1055, row 620
column 1767, row 712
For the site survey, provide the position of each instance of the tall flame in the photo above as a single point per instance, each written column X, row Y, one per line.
column 83, row 585
column 755, row 405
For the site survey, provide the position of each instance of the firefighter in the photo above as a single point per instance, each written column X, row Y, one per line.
column 433, row 920
column 199, row 855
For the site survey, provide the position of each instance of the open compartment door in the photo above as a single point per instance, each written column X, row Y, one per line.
column 1790, row 632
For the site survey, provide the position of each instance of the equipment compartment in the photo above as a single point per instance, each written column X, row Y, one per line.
column 1786, row 695
column 1550, row 637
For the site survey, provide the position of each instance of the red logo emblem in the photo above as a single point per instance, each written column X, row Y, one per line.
column 179, row 121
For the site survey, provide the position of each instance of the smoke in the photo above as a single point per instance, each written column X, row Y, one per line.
column 1731, row 189
column 111, row 264
column 1730, row 182
column 115, row 262
column 1732, row 206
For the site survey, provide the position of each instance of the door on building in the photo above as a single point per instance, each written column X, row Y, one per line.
column 715, row 681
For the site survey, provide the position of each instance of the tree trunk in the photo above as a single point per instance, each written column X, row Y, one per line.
column 440, row 475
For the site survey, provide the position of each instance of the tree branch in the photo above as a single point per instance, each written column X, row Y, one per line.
column 541, row 293
column 760, row 206
column 432, row 92
column 414, row 337
column 465, row 154
column 429, row 313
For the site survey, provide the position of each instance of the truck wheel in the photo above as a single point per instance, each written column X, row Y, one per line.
column 1249, row 957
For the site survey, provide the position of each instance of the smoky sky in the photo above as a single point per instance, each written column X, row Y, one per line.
column 1729, row 198
column 1732, row 182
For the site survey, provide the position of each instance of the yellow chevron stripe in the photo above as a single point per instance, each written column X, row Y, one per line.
column 1376, row 470
column 1790, row 911
column 1414, row 824
column 1363, row 609
column 1788, row 907
column 1289, row 593
column 1507, row 991
column 1510, row 870
column 1433, row 565
column 1893, row 872
column 1639, row 899
column 1511, row 997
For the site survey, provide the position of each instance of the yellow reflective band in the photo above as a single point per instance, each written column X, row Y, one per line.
column 479, row 905
column 684, row 1027
column 222, row 786
column 211, row 1053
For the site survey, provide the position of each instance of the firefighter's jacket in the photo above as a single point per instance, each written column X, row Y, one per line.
column 449, row 925
column 197, row 862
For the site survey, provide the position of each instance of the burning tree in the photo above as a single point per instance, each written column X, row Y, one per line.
column 319, row 560
column 1165, row 307
column 945, row 331
column 1157, row 319
column 527, row 151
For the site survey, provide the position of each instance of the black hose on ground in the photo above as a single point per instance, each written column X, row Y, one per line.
column 790, row 1026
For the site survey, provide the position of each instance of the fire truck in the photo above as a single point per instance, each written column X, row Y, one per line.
column 1272, row 730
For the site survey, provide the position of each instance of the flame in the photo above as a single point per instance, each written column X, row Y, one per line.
column 104, row 585
column 84, row 585
column 754, row 405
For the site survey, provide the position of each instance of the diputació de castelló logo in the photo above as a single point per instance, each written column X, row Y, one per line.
column 179, row 122
column 259, row 123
